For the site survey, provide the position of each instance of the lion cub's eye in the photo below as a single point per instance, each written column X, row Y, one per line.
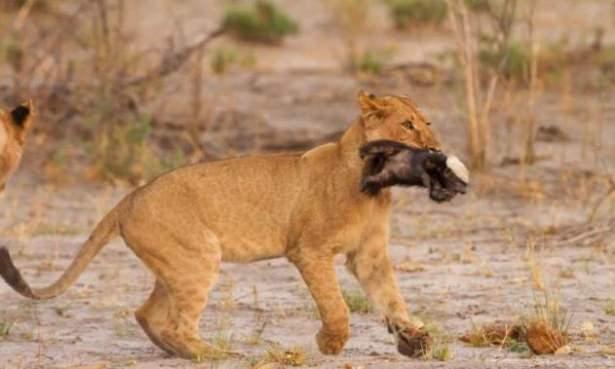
column 407, row 124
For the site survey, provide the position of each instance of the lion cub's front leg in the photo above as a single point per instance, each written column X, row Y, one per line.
column 319, row 274
column 372, row 267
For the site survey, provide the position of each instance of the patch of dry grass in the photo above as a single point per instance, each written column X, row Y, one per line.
column 293, row 356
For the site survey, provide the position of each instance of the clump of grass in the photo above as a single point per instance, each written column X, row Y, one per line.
column 546, row 328
column 609, row 309
column 507, row 335
column 294, row 356
column 223, row 341
column 406, row 13
column 440, row 349
column 441, row 352
column 263, row 22
column 223, row 59
column 370, row 63
column 357, row 302
column 5, row 328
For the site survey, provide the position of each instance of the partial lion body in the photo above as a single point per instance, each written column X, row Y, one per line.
column 307, row 207
column 14, row 125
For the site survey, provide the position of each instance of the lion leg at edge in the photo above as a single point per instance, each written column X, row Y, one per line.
column 319, row 275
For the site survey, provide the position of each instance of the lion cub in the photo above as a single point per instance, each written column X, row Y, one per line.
column 306, row 207
column 14, row 125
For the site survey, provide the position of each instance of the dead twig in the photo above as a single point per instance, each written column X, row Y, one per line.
column 172, row 61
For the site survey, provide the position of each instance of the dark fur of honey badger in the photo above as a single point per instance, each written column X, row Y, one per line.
column 390, row 163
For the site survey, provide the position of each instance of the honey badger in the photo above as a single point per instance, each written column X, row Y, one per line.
column 389, row 163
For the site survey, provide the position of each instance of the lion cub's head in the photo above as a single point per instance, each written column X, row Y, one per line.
column 395, row 118
column 14, row 125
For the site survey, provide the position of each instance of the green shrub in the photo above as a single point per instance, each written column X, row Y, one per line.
column 513, row 61
column 417, row 12
column 263, row 22
column 370, row 63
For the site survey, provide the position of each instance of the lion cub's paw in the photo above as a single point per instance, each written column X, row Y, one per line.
column 411, row 341
column 331, row 344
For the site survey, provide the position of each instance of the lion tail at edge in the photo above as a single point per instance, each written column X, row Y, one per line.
column 106, row 229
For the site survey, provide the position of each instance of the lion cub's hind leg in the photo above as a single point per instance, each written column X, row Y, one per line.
column 186, row 265
column 153, row 315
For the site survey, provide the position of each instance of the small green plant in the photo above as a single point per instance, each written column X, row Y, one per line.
column 442, row 352
column 517, row 346
column 512, row 61
column 5, row 328
column 441, row 349
column 407, row 13
column 370, row 63
column 263, row 22
column 609, row 309
column 357, row 302
column 222, row 59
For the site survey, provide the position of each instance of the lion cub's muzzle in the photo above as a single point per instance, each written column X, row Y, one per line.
column 390, row 163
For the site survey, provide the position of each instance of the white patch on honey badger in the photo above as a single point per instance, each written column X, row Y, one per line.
column 458, row 168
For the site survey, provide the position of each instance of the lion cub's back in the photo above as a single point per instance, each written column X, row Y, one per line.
column 247, row 202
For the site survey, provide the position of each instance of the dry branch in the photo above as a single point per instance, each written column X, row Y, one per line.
column 172, row 61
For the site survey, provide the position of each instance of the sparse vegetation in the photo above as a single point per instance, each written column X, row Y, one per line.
column 5, row 328
column 546, row 328
column 294, row 356
column 351, row 18
column 609, row 308
column 357, row 302
column 263, row 22
column 440, row 349
column 413, row 13
column 498, row 334
column 222, row 59
column 370, row 63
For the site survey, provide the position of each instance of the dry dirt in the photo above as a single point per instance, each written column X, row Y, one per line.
column 461, row 263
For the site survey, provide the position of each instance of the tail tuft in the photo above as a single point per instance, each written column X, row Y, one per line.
column 11, row 274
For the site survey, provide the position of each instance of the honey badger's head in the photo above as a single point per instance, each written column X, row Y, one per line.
column 388, row 163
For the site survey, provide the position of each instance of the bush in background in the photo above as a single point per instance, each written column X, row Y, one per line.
column 407, row 13
column 263, row 22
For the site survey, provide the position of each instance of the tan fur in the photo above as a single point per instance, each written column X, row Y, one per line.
column 307, row 207
column 12, row 140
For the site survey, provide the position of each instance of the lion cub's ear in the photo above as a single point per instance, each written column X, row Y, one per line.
column 21, row 115
column 21, row 118
column 369, row 103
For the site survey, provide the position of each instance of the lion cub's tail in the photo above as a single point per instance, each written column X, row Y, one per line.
column 106, row 229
